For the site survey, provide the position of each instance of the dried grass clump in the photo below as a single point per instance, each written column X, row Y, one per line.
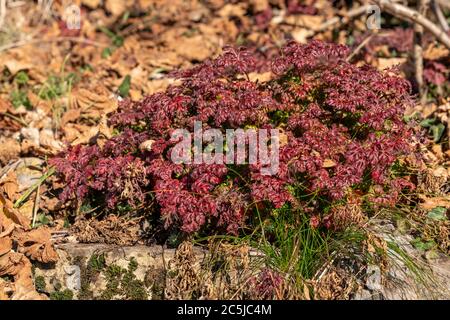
column 111, row 230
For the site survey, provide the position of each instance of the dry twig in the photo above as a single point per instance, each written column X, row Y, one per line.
column 439, row 15
column 411, row 15
column 422, row 8
column 354, row 13
column 57, row 39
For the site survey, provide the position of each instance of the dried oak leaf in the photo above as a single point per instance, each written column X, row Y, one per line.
column 19, row 267
column 36, row 245
column 431, row 203
column 93, row 104
column 9, row 185
column 7, row 210
column 5, row 245
column 9, row 149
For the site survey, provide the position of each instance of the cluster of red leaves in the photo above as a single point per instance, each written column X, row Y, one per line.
column 343, row 129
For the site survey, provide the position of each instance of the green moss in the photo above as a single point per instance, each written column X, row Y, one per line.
column 57, row 285
column 113, row 274
column 97, row 262
column 123, row 283
column 87, row 276
column 39, row 284
column 62, row 295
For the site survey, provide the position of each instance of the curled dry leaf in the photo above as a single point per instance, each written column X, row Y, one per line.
column 146, row 145
column 328, row 163
column 7, row 211
column 48, row 141
column 115, row 7
column 36, row 245
column 70, row 116
column 91, row 104
column 5, row 245
column 431, row 203
column 93, row 132
column 435, row 52
column 9, row 185
column 9, row 149
column 19, row 267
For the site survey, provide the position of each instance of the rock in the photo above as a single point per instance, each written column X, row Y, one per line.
column 28, row 172
column 363, row 294
column 374, row 278
column 31, row 134
column 73, row 279
column 81, row 267
column 408, row 276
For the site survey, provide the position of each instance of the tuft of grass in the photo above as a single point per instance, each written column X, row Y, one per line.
column 20, row 98
column 57, row 86
column 292, row 245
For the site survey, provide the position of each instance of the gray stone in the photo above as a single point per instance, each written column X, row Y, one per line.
column 73, row 278
column 374, row 278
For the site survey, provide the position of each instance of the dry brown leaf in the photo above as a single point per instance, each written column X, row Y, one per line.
column 431, row 203
column 301, row 34
column 93, row 132
column 9, row 185
column 135, row 95
column 193, row 48
column 435, row 53
column 159, row 85
column 93, row 4
column 15, row 65
column 4, row 105
column 70, row 116
column 259, row 5
column 7, row 226
column 9, row 149
column 261, row 77
column 237, row 10
column 304, row 20
column 7, row 210
column 73, row 131
column 328, row 163
column 93, row 105
column 18, row 266
column 48, row 141
column 36, row 245
column 3, row 290
column 27, row 208
column 5, row 245
column 116, row 7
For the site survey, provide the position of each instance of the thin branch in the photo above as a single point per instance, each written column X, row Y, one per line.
column 408, row 14
column 439, row 15
column 57, row 39
column 342, row 20
column 2, row 12
column 444, row 3
column 359, row 47
column 422, row 7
